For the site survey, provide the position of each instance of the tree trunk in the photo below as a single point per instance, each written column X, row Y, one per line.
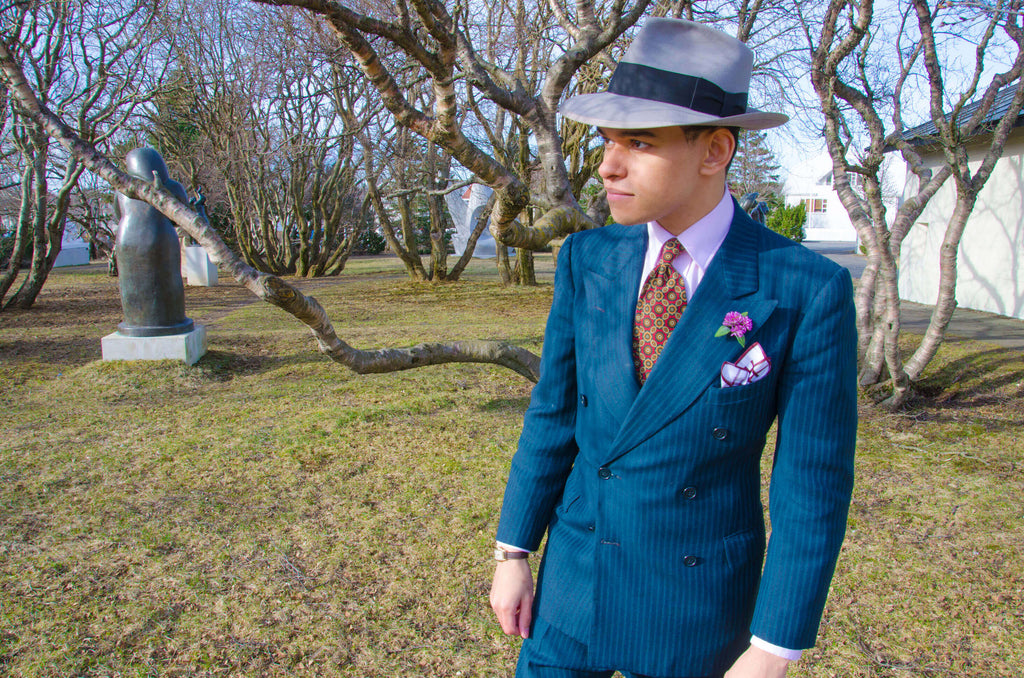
column 411, row 260
column 501, row 261
column 33, row 282
column 22, row 236
column 438, row 245
column 524, row 267
column 945, row 304
column 53, row 236
column 478, row 229
column 891, row 336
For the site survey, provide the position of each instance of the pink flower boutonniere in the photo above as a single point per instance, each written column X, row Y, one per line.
column 736, row 325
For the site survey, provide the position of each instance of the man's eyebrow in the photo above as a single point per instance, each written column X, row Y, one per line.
column 633, row 133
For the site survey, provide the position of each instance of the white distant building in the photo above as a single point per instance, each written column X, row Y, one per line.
column 73, row 251
column 465, row 208
column 811, row 183
column 990, row 259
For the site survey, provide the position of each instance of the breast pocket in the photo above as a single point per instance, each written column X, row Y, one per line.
column 762, row 389
column 740, row 415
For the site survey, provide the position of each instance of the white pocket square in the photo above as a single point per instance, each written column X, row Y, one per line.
column 752, row 365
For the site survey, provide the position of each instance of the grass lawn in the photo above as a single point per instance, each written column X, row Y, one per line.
column 265, row 512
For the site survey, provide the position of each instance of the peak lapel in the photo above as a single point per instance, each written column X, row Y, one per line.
column 692, row 358
column 612, row 280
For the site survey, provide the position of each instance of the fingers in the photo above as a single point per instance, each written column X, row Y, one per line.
column 512, row 597
column 506, row 611
column 525, row 617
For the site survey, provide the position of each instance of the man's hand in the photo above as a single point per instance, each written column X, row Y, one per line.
column 758, row 663
column 512, row 596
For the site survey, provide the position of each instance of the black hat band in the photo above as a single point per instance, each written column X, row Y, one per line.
column 688, row 91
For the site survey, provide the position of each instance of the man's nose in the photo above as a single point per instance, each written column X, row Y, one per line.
column 611, row 166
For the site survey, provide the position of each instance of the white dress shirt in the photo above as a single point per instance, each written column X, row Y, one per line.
column 700, row 244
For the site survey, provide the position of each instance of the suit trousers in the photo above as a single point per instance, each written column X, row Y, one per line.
column 549, row 653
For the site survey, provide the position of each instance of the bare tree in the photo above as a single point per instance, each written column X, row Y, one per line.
column 526, row 90
column 440, row 39
column 406, row 178
column 267, row 287
column 87, row 62
column 260, row 119
column 92, row 211
column 865, row 68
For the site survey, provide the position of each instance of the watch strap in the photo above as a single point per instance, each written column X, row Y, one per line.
column 501, row 555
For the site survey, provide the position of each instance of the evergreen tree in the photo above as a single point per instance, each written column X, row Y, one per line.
column 754, row 169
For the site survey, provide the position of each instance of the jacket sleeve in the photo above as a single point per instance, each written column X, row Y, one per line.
column 547, row 445
column 812, row 475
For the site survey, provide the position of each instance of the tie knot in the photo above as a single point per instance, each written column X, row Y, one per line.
column 670, row 251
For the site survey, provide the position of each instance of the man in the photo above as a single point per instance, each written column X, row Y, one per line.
column 672, row 345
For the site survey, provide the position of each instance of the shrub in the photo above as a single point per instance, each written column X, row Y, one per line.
column 369, row 242
column 789, row 221
column 6, row 246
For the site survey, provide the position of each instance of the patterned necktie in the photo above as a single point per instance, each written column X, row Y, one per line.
column 662, row 301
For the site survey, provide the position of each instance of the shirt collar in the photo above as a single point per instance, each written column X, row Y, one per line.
column 701, row 240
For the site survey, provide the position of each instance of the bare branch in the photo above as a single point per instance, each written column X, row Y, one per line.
column 269, row 288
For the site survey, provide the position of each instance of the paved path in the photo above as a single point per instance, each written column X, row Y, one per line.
column 843, row 253
column 965, row 324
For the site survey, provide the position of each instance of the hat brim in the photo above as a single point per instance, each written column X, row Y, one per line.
column 616, row 111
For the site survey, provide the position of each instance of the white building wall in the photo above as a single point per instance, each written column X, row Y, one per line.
column 805, row 182
column 73, row 252
column 990, row 263
column 77, row 255
column 465, row 208
column 831, row 225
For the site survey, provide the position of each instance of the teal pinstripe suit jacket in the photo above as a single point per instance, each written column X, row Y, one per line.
column 651, row 496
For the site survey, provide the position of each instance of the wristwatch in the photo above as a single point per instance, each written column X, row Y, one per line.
column 501, row 555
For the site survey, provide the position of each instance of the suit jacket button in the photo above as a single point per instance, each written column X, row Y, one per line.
column 720, row 433
column 604, row 473
column 583, row 400
column 590, row 528
column 689, row 492
column 690, row 561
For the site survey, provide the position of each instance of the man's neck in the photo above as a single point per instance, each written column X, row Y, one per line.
column 708, row 198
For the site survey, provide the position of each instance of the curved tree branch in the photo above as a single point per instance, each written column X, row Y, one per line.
column 270, row 288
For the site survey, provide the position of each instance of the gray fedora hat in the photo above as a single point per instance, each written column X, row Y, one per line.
column 676, row 72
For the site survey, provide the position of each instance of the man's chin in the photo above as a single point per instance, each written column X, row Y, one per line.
column 627, row 219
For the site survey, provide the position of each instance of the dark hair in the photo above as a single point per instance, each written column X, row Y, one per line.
column 692, row 132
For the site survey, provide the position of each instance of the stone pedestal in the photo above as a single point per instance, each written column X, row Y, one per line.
column 198, row 269
column 188, row 347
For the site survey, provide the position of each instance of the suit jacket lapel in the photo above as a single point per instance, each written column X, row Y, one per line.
column 612, row 281
column 692, row 358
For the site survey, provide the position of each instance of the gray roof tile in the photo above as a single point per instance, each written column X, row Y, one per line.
column 923, row 134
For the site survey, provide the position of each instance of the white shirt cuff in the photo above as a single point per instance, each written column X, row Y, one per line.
column 785, row 653
column 508, row 547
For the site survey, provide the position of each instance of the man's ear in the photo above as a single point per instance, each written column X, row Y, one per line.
column 720, row 145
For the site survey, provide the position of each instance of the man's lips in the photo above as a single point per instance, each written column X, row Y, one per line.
column 614, row 194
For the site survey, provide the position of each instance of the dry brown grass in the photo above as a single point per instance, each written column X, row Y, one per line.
column 266, row 513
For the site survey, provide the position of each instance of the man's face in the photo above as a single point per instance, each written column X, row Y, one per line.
column 654, row 175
